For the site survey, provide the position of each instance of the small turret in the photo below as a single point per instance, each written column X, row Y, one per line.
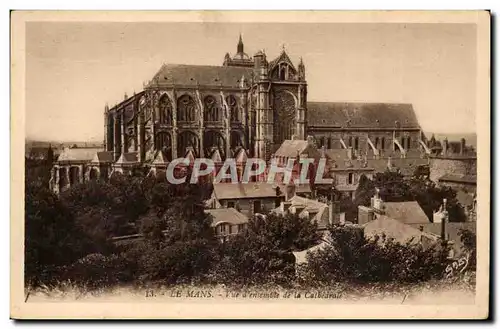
column 301, row 70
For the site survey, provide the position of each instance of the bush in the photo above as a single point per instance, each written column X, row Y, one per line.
column 352, row 257
column 180, row 262
column 97, row 271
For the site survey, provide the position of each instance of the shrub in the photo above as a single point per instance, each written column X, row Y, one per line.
column 97, row 271
column 352, row 257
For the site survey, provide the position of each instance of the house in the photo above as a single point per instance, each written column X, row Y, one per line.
column 408, row 212
column 253, row 197
column 72, row 167
column 315, row 210
column 227, row 221
column 346, row 166
column 385, row 226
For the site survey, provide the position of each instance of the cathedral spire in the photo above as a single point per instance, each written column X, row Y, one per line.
column 240, row 45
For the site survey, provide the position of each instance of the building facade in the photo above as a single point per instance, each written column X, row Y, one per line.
column 246, row 104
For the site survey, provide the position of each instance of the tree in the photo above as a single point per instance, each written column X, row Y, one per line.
column 395, row 188
column 263, row 252
column 52, row 237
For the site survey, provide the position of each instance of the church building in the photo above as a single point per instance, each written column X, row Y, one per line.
column 248, row 104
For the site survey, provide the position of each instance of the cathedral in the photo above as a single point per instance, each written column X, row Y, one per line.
column 248, row 104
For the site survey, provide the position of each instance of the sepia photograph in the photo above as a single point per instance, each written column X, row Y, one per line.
column 220, row 164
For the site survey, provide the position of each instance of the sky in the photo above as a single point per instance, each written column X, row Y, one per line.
column 73, row 69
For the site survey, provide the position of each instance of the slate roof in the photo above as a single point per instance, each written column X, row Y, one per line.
column 78, row 154
column 252, row 190
column 290, row 148
column 103, row 157
column 406, row 165
column 240, row 191
column 227, row 215
column 128, row 158
column 161, row 158
column 395, row 229
column 301, row 256
column 452, row 231
column 309, row 205
column 468, row 179
column 408, row 212
column 204, row 75
column 370, row 115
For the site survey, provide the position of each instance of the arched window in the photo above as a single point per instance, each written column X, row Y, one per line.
column 382, row 146
column 187, row 139
column 74, row 175
column 214, row 140
column 376, row 142
column 356, row 143
column 282, row 72
column 350, row 178
column 284, row 117
column 233, row 106
column 62, row 178
column 408, row 143
column 236, row 139
column 186, row 109
column 329, row 143
column 212, row 110
column 350, row 141
column 165, row 110
column 163, row 141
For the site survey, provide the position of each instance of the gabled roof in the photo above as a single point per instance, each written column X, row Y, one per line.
column 408, row 212
column 204, row 75
column 190, row 155
column 292, row 148
column 78, row 154
column 371, row 115
column 395, row 229
column 241, row 156
column 103, row 157
column 452, row 229
column 311, row 205
column 216, row 157
column 161, row 158
column 127, row 158
column 283, row 57
column 227, row 215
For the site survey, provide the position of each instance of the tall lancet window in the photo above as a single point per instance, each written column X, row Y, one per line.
column 186, row 109
column 284, row 117
column 165, row 110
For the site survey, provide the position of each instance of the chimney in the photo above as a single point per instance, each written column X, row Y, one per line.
column 290, row 191
column 443, row 221
column 462, row 146
column 376, row 202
